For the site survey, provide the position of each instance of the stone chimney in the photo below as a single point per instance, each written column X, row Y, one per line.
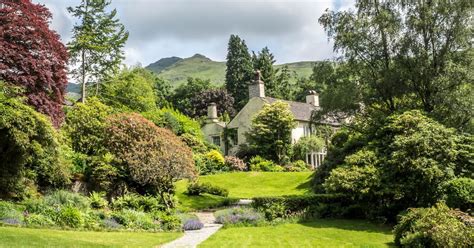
column 256, row 87
column 313, row 98
column 212, row 113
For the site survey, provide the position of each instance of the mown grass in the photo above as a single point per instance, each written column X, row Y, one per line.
column 320, row 233
column 246, row 185
column 26, row 237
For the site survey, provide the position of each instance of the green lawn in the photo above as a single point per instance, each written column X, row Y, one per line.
column 320, row 233
column 26, row 237
column 246, row 185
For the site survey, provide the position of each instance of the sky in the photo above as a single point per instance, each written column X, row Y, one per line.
column 165, row 28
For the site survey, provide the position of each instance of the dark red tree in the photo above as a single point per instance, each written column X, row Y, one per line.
column 220, row 97
column 32, row 56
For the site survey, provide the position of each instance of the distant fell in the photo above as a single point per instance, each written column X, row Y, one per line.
column 177, row 70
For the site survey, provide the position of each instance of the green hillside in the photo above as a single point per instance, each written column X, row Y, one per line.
column 199, row 66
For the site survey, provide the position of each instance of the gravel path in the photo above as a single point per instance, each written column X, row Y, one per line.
column 192, row 239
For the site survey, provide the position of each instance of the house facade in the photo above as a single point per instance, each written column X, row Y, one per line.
column 229, row 136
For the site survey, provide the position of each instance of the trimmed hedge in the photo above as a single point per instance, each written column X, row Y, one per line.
column 317, row 205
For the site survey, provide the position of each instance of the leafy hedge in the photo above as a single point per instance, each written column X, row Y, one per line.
column 318, row 205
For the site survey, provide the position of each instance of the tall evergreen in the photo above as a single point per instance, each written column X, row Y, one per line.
column 239, row 71
column 264, row 62
column 96, row 49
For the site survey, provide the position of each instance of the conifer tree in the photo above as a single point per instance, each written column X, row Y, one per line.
column 239, row 71
column 96, row 48
column 264, row 63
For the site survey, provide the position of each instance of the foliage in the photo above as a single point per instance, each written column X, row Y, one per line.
column 437, row 226
column 137, row 202
column 235, row 163
column 30, row 150
column 242, row 216
column 211, row 162
column 85, row 126
column 298, row 165
column 405, row 56
column 131, row 90
column 42, row 75
column 270, row 132
column 390, row 164
column 192, row 225
column 174, row 120
column 306, row 145
column 135, row 220
column 63, row 198
column 459, row 193
column 96, row 48
column 200, row 101
column 201, row 188
column 70, row 216
column 264, row 63
column 150, row 157
column 97, row 200
column 258, row 163
column 238, row 71
column 182, row 95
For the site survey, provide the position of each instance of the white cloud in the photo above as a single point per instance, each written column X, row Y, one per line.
column 162, row 28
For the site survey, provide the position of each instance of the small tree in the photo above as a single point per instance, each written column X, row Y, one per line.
column 223, row 100
column 97, row 43
column 148, row 156
column 32, row 56
column 270, row 132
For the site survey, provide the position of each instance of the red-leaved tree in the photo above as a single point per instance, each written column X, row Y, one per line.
column 32, row 56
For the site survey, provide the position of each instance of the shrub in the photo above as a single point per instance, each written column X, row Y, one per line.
column 175, row 121
column 168, row 221
column 193, row 224
column 275, row 210
column 12, row 221
column 38, row 220
column 306, row 145
column 97, row 200
column 258, row 163
column 298, row 165
column 151, row 158
column 137, row 202
column 133, row 219
column 242, row 216
column 211, row 162
column 110, row 223
column 200, row 188
column 235, row 163
column 9, row 212
column 432, row 227
column 70, row 216
column 61, row 198
column 459, row 193
column 30, row 151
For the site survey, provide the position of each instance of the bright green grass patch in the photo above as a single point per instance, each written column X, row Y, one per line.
column 26, row 237
column 246, row 185
column 320, row 233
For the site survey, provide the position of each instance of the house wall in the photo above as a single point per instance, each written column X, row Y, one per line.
column 300, row 131
column 214, row 129
column 243, row 120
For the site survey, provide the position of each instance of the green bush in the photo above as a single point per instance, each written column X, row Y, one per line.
column 437, row 226
column 137, row 202
column 61, row 198
column 258, row 163
column 169, row 222
column 38, row 220
column 201, row 188
column 70, row 216
column 177, row 122
column 298, row 165
column 459, row 193
column 136, row 220
column 30, row 156
column 235, row 163
column 210, row 162
column 306, row 145
column 9, row 210
column 97, row 200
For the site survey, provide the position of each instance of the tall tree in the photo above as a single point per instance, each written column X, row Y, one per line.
column 264, row 62
column 32, row 56
column 223, row 100
column 409, row 55
column 239, row 70
column 283, row 86
column 96, row 48
column 182, row 95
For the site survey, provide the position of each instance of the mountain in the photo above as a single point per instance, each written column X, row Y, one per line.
column 177, row 70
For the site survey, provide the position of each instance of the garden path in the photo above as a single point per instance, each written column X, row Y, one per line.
column 192, row 239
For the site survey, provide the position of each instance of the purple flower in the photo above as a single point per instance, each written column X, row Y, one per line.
column 193, row 224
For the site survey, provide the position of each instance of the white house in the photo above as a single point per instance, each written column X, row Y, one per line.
column 240, row 125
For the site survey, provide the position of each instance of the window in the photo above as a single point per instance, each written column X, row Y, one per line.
column 216, row 140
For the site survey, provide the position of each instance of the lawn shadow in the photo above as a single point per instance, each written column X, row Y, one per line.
column 306, row 185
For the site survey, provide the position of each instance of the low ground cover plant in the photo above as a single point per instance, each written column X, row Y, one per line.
column 201, row 188
column 239, row 216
